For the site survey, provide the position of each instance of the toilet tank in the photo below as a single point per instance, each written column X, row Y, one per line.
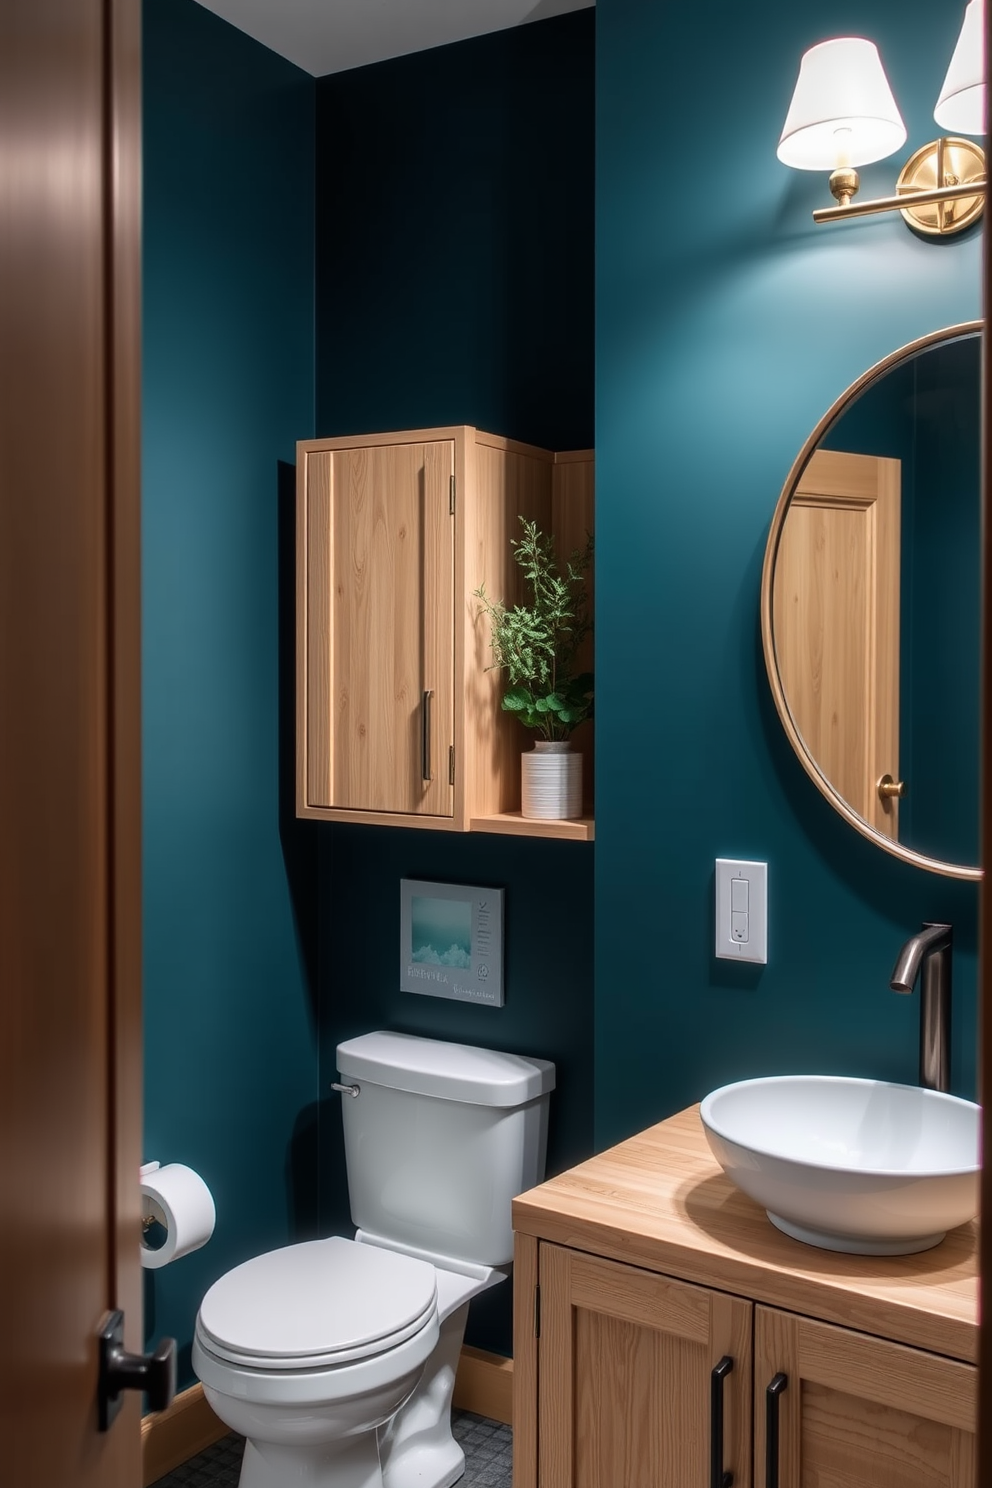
column 440, row 1139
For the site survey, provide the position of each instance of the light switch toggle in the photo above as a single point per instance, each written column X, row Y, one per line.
column 738, row 908
column 741, row 910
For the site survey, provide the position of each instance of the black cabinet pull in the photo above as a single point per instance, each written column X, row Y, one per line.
column 425, row 735
column 772, row 1394
column 718, row 1477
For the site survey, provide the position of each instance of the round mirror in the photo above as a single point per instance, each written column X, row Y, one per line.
column 870, row 599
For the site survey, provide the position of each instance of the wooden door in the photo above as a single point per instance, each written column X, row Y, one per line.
column 379, row 583
column 860, row 1411
column 70, row 899
column 625, row 1386
column 836, row 622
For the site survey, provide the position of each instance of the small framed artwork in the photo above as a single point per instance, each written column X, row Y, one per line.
column 451, row 941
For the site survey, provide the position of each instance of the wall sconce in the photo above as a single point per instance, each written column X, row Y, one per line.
column 843, row 115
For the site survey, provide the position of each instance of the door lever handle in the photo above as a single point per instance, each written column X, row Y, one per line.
column 155, row 1373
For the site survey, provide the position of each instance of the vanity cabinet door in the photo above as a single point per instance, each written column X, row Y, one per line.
column 857, row 1410
column 626, row 1387
column 376, row 662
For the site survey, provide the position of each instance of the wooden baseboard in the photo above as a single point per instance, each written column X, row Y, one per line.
column 175, row 1435
column 483, row 1385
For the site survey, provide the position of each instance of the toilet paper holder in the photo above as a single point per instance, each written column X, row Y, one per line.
column 175, row 1198
column 149, row 1219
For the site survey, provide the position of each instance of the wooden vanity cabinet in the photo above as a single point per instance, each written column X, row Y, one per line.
column 398, row 712
column 626, row 1380
column 859, row 1411
column 639, row 1271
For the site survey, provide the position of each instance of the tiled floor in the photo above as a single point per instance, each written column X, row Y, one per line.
column 487, row 1446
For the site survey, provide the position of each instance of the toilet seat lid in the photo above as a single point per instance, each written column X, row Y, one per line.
column 318, row 1303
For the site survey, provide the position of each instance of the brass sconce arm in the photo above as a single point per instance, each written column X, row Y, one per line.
column 900, row 202
column 958, row 164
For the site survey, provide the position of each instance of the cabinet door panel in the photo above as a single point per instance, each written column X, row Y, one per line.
column 862, row 1412
column 625, row 1377
column 380, row 571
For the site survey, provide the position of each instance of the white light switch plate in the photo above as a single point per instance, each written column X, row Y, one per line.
column 741, row 910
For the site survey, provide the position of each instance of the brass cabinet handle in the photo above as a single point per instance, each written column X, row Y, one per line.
column 425, row 735
column 888, row 788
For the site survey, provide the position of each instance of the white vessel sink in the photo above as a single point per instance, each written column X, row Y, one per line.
column 854, row 1165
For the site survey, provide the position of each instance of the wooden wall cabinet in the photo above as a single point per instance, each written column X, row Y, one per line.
column 667, row 1273
column 398, row 719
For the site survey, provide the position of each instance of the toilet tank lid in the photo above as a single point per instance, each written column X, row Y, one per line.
column 459, row 1072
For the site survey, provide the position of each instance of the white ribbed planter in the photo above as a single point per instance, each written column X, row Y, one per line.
column 551, row 782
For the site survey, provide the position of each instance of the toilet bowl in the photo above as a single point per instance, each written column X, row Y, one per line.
column 307, row 1350
column 336, row 1358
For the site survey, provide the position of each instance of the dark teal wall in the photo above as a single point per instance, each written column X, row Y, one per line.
column 455, row 238
column 727, row 323
column 946, row 604
column 454, row 285
column 231, row 1056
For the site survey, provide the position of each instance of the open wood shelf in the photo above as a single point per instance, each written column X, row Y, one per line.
column 512, row 824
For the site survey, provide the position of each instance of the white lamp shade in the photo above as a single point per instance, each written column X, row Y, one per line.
column 961, row 105
column 842, row 112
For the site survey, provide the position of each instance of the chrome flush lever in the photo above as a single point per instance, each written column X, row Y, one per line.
column 351, row 1090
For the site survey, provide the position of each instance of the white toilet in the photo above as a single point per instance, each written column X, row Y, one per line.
column 336, row 1358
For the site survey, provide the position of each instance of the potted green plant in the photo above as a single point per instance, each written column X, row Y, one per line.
column 537, row 645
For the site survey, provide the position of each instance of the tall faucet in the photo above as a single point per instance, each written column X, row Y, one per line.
column 931, row 948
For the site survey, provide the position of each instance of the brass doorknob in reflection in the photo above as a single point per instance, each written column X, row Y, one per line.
column 887, row 788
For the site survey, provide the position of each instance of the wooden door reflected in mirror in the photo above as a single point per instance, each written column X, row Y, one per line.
column 871, row 603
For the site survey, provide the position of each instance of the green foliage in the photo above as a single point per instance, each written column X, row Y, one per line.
column 537, row 644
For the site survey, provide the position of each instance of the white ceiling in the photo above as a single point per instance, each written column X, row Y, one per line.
column 331, row 35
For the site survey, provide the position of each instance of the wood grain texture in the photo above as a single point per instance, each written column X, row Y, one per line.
column 512, row 824
column 70, row 701
column 392, row 646
column 862, row 1411
column 374, row 631
column 375, row 641
column 836, row 624
column 484, row 1385
column 525, row 1362
column 313, row 578
column 626, row 1359
column 661, row 1201
column 124, row 575
column 506, row 483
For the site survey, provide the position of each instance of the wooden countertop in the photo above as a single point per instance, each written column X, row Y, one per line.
column 661, row 1201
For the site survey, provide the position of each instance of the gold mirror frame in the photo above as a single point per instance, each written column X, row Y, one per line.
column 809, row 764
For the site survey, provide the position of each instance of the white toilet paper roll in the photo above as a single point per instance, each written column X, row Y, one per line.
column 182, row 1203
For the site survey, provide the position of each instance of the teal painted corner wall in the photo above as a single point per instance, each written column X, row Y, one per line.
column 455, row 238
column 231, row 1052
column 455, row 284
column 727, row 324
